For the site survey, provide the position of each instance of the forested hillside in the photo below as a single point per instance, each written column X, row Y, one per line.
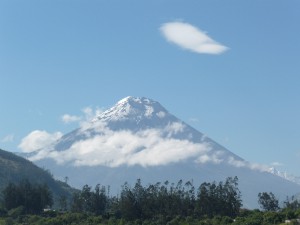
column 14, row 169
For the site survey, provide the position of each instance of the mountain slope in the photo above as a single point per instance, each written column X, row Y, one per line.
column 285, row 175
column 133, row 128
column 139, row 138
column 14, row 168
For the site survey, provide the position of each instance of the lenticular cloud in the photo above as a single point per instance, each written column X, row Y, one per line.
column 191, row 38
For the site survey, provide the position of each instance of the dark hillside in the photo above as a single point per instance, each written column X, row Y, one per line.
column 14, row 168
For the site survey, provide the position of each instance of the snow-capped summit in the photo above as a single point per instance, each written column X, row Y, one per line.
column 148, row 120
column 134, row 108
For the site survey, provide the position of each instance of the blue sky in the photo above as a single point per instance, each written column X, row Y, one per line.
column 58, row 57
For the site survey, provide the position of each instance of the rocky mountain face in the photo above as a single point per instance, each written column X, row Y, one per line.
column 139, row 138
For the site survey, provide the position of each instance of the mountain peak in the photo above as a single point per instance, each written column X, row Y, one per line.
column 140, row 100
column 137, row 102
column 134, row 108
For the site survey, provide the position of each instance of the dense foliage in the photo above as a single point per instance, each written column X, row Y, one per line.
column 33, row 198
column 162, row 200
column 160, row 203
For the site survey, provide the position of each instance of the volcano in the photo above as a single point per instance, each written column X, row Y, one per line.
column 139, row 139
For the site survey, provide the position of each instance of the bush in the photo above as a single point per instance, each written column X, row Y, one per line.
column 3, row 212
column 272, row 218
column 16, row 212
column 9, row 221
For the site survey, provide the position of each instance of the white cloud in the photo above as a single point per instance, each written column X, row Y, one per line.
column 190, row 37
column 174, row 128
column 89, row 114
column 241, row 163
column 277, row 164
column 38, row 139
column 66, row 118
column 149, row 147
column 215, row 157
column 194, row 120
column 237, row 163
column 114, row 148
column 8, row 138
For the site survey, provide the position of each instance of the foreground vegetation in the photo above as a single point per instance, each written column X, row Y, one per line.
column 160, row 203
column 254, row 217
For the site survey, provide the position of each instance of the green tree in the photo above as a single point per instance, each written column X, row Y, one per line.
column 204, row 203
column 34, row 198
column 86, row 196
column 292, row 203
column 268, row 201
column 63, row 203
column 99, row 200
column 222, row 199
column 77, row 202
column 231, row 196
column 128, row 206
column 11, row 196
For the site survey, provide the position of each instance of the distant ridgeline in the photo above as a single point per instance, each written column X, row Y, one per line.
column 14, row 169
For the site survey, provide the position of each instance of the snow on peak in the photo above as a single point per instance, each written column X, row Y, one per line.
column 134, row 108
column 136, row 101
column 285, row 175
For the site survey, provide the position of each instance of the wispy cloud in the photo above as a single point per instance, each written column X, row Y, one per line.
column 241, row 163
column 88, row 115
column 38, row 139
column 277, row 164
column 8, row 138
column 214, row 157
column 66, row 118
column 191, row 38
column 194, row 120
